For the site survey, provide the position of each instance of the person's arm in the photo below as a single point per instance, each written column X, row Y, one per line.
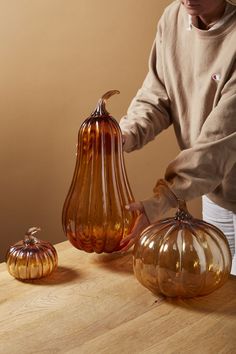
column 200, row 169
column 148, row 113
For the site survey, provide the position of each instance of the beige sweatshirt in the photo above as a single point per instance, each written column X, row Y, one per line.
column 191, row 83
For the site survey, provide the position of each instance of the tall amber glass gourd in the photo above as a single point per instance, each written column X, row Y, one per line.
column 182, row 256
column 94, row 217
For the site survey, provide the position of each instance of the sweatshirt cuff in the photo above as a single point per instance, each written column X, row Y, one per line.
column 129, row 141
column 163, row 200
column 151, row 209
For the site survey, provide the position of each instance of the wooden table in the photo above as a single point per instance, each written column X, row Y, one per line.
column 94, row 304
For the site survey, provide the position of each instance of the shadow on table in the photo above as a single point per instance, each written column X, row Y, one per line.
column 220, row 301
column 115, row 262
column 60, row 276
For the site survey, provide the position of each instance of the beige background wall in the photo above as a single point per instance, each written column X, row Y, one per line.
column 57, row 58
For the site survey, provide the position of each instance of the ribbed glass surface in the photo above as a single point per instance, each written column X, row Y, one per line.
column 94, row 215
column 31, row 261
column 182, row 257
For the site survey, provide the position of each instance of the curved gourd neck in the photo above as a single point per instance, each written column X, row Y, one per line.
column 29, row 236
column 100, row 109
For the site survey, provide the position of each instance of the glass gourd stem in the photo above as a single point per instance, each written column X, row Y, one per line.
column 182, row 211
column 29, row 235
column 100, row 109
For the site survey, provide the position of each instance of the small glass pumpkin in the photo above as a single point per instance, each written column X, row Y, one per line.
column 31, row 258
column 182, row 256
column 94, row 217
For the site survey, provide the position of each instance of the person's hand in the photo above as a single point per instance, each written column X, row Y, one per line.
column 123, row 139
column 140, row 224
column 150, row 211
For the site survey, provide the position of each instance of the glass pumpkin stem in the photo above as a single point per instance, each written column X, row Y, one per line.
column 100, row 109
column 29, row 235
column 182, row 211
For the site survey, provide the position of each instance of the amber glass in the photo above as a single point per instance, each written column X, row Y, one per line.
column 182, row 256
column 94, row 216
column 31, row 258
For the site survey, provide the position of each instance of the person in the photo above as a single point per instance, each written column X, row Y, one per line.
column 191, row 83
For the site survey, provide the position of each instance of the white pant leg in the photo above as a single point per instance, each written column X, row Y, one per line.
column 225, row 220
column 233, row 270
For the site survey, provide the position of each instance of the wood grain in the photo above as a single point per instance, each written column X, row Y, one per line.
column 94, row 304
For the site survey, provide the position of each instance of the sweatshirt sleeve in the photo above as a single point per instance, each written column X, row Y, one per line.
column 148, row 113
column 200, row 169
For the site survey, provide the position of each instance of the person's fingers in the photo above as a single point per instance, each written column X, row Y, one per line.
column 133, row 236
column 135, row 206
column 123, row 139
column 128, row 246
column 138, row 226
column 126, row 239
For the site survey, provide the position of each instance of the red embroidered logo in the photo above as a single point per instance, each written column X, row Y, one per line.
column 216, row 77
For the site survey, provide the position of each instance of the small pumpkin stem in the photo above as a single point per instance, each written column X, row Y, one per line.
column 29, row 235
column 100, row 109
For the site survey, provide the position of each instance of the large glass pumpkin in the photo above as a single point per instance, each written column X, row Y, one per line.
column 182, row 256
column 94, row 216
